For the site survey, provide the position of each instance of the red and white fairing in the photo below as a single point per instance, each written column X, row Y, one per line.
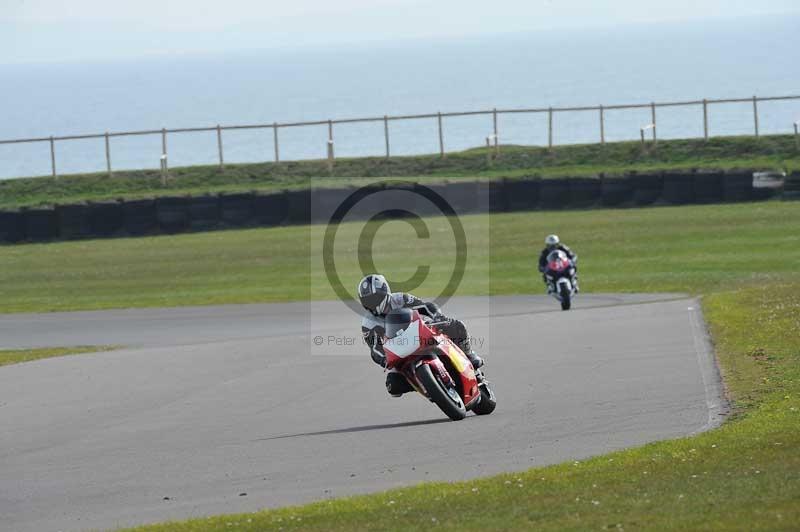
column 420, row 344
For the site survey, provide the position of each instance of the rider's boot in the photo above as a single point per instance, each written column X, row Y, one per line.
column 396, row 384
column 575, row 283
column 476, row 361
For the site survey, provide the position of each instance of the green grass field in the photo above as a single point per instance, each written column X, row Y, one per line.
column 697, row 249
column 766, row 153
column 744, row 259
column 17, row 356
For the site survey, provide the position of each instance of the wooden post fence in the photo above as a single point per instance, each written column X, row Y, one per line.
column 653, row 117
column 275, row 141
column 330, row 146
column 494, row 129
column 108, row 154
column 53, row 156
column 441, row 135
column 602, row 126
column 494, row 138
column 219, row 147
column 386, row 133
column 755, row 115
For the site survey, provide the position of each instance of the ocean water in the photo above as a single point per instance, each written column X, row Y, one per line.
column 632, row 64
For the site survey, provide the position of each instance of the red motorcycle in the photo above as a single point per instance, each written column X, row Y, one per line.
column 559, row 274
column 434, row 365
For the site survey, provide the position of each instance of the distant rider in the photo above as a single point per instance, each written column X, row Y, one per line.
column 378, row 300
column 552, row 243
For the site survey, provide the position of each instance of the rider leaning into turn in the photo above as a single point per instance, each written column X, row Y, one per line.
column 552, row 243
column 378, row 300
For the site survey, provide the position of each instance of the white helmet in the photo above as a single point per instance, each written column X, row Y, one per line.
column 551, row 241
column 374, row 293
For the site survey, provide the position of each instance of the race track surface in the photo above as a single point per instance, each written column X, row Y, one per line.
column 228, row 409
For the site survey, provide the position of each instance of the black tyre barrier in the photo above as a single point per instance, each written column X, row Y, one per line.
column 463, row 196
column 423, row 206
column 708, row 186
column 204, row 212
column 324, row 202
column 299, row 206
column 483, row 200
column 237, row 209
column 615, row 191
column 270, row 209
column 140, row 217
column 12, row 226
column 791, row 187
column 498, row 199
column 522, row 194
column 584, row 192
column 73, row 221
column 106, row 218
column 554, row 193
column 678, row 188
column 647, row 189
column 173, row 214
column 41, row 224
column 737, row 186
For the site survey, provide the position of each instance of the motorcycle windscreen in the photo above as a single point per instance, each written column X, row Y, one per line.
column 402, row 332
column 557, row 261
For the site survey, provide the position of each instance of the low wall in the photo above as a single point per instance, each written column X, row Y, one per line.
column 169, row 215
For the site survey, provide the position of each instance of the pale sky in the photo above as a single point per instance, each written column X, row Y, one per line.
column 55, row 30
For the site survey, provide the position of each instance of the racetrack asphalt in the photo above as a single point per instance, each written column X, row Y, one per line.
column 213, row 410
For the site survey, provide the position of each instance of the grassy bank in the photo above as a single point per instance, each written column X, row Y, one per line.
column 742, row 476
column 696, row 249
column 768, row 153
column 17, row 356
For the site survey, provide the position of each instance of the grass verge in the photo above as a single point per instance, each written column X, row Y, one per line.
column 695, row 249
column 744, row 475
column 18, row 356
column 768, row 153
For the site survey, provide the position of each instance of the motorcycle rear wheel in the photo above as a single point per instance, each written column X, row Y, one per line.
column 455, row 410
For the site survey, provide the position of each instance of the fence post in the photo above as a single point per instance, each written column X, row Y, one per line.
column 550, row 128
column 330, row 146
column 219, row 147
column 488, row 152
column 441, row 135
column 653, row 116
column 705, row 119
column 755, row 114
column 386, row 133
column 108, row 155
column 53, row 156
column 602, row 126
column 494, row 127
column 275, row 141
column 796, row 137
column 163, row 141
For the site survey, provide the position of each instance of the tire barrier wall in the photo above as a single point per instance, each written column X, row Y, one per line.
column 169, row 215
column 791, row 187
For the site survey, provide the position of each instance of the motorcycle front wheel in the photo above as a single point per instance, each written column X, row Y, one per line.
column 449, row 403
column 488, row 402
column 566, row 301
